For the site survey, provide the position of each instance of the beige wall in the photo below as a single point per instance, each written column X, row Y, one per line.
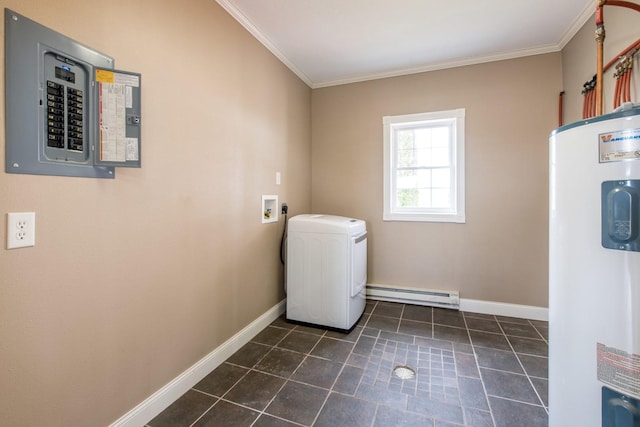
column 579, row 59
column 501, row 253
column 133, row 280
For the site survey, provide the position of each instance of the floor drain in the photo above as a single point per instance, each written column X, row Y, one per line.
column 404, row 372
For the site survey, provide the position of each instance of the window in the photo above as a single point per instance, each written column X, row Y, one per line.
column 424, row 167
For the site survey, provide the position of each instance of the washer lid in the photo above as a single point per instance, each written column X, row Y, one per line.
column 317, row 223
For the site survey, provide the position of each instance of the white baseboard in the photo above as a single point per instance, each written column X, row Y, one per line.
column 418, row 296
column 161, row 399
column 470, row 305
column 504, row 309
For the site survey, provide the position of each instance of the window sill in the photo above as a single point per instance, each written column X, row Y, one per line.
column 458, row 219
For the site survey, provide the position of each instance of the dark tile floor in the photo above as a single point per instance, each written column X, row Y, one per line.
column 472, row 370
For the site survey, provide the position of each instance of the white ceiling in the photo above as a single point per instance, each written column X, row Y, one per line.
column 331, row 42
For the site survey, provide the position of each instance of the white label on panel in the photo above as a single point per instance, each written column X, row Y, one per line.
column 112, row 122
column 132, row 149
column 619, row 145
column 126, row 79
column 128, row 96
column 619, row 369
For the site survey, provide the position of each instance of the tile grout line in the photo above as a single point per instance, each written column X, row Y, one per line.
column 433, row 323
column 262, row 412
column 400, row 318
column 511, row 399
column 345, row 364
column 218, row 398
column 475, row 356
column 204, row 413
column 515, row 400
column 251, row 369
column 524, row 370
column 286, row 380
column 538, row 332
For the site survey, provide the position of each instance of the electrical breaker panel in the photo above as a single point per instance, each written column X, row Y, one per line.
column 68, row 112
column 65, row 109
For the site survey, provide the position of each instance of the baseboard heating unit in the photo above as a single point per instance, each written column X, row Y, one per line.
column 430, row 297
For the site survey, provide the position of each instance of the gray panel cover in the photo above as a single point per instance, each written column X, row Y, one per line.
column 27, row 46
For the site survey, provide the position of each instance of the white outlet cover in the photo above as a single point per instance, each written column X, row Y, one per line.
column 21, row 229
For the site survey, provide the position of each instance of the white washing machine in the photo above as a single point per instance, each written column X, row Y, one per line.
column 326, row 270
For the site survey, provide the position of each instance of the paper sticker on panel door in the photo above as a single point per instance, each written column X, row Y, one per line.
column 119, row 118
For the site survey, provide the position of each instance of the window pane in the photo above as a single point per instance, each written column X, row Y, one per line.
column 423, row 178
column 407, row 198
column 441, row 178
column 406, row 158
column 404, row 139
column 406, row 179
column 424, row 199
column 440, row 198
column 440, row 136
column 423, row 158
column 405, row 152
column 440, row 156
column 423, row 137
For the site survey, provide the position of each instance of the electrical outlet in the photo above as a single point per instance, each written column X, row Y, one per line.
column 21, row 229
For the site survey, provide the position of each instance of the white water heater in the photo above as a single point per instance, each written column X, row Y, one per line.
column 326, row 270
column 594, row 272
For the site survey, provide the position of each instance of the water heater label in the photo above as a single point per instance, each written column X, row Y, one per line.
column 619, row 370
column 619, row 145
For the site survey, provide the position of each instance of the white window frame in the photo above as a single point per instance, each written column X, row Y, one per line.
column 456, row 213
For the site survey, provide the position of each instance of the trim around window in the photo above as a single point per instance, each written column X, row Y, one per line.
column 449, row 206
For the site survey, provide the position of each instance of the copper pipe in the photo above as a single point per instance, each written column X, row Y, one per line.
column 620, row 3
column 585, row 100
column 594, row 107
column 600, row 36
column 600, row 73
column 589, row 98
column 623, row 76
column 593, row 101
column 560, row 109
column 587, row 113
column 630, row 71
column 623, row 87
column 635, row 45
column 627, row 85
column 616, row 95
